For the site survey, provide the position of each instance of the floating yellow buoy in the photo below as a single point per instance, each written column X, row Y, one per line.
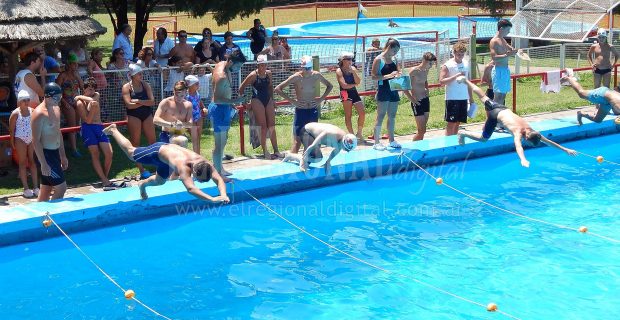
column 617, row 121
column 583, row 229
column 129, row 294
column 600, row 159
column 47, row 223
column 439, row 181
column 491, row 307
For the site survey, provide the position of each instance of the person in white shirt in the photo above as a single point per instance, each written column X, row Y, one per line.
column 457, row 94
column 26, row 80
column 162, row 47
column 122, row 41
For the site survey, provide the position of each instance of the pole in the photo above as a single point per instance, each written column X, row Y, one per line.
column 357, row 20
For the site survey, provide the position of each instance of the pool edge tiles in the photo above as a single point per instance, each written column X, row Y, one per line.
column 24, row 223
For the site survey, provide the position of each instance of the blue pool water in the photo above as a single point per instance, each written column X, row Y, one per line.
column 331, row 47
column 240, row 262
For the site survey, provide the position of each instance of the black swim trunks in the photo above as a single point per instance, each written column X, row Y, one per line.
column 57, row 176
column 456, row 111
column 493, row 109
column 490, row 94
column 602, row 71
column 422, row 107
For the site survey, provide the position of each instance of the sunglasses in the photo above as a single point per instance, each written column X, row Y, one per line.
column 182, row 36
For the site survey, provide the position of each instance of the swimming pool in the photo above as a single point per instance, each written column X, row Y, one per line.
column 241, row 262
column 331, row 47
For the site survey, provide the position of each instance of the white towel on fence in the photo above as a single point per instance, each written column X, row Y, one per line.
column 553, row 82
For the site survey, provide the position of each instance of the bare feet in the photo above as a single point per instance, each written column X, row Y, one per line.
column 108, row 129
column 278, row 155
column 579, row 116
column 461, row 138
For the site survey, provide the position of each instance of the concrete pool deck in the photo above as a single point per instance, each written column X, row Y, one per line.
column 84, row 209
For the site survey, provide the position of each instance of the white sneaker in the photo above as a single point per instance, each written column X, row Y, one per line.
column 395, row 145
column 28, row 193
column 379, row 147
column 36, row 191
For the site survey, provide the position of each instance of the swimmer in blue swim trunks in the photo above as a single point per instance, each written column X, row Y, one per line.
column 607, row 99
column 169, row 159
column 498, row 114
column 501, row 52
column 220, row 110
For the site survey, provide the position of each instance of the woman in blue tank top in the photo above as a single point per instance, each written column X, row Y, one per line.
column 385, row 68
column 347, row 77
column 262, row 105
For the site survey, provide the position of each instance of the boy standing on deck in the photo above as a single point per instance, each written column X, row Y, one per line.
column 599, row 58
column 501, row 51
column 420, row 103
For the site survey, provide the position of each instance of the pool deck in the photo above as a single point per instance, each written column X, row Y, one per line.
column 86, row 207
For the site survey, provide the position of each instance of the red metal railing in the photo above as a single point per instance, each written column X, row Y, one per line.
column 73, row 129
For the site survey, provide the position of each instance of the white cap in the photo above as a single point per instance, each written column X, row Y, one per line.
column 262, row 58
column 349, row 142
column 22, row 95
column 191, row 80
column 306, row 62
column 601, row 32
column 345, row 54
column 134, row 69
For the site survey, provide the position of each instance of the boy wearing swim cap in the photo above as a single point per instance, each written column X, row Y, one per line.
column 48, row 144
column 314, row 135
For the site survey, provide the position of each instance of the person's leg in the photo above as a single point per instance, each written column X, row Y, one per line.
column 361, row 118
column 34, row 174
column 220, row 138
column 261, row 121
column 348, row 113
column 382, row 108
column 270, row 117
column 597, row 79
column 421, row 125
column 391, row 121
column 196, row 134
column 606, row 79
column 44, row 193
column 123, row 142
column 597, row 117
column 149, row 131
column 452, row 128
column 94, row 157
column 134, row 129
column 22, row 157
column 296, row 124
column 106, row 149
column 476, row 136
column 59, row 191
column 583, row 94
column 499, row 97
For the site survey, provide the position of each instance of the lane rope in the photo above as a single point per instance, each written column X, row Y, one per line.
column 129, row 294
column 491, row 307
column 600, row 159
column 581, row 229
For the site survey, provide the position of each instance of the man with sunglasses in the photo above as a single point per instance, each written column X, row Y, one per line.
column 420, row 103
column 182, row 49
column 599, row 58
column 174, row 113
column 48, row 144
column 162, row 47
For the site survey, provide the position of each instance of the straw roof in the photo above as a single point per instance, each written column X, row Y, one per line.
column 44, row 20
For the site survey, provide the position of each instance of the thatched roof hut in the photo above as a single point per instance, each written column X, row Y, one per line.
column 27, row 23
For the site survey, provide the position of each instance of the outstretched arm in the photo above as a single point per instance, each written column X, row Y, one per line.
column 550, row 143
column 519, row 150
column 188, row 182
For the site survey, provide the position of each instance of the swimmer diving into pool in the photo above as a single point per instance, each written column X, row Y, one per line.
column 169, row 159
column 607, row 99
column 314, row 135
column 498, row 114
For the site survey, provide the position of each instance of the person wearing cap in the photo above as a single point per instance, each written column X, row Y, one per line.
column 228, row 47
column 498, row 114
column 162, row 47
column 306, row 83
column 199, row 111
column 262, row 105
column 314, row 135
column 174, row 113
column 71, row 83
column 171, row 159
column 26, row 80
column 420, row 103
column 48, row 144
column 347, row 77
column 89, row 111
column 599, row 58
column 221, row 107
column 501, row 51
column 138, row 98
column 20, row 134
column 257, row 36
column 122, row 41
column 182, row 49
column 606, row 99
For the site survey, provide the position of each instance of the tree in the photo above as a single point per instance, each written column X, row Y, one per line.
column 224, row 11
column 494, row 7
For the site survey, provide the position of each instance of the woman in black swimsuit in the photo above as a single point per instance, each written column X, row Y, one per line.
column 138, row 98
column 347, row 77
column 262, row 104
